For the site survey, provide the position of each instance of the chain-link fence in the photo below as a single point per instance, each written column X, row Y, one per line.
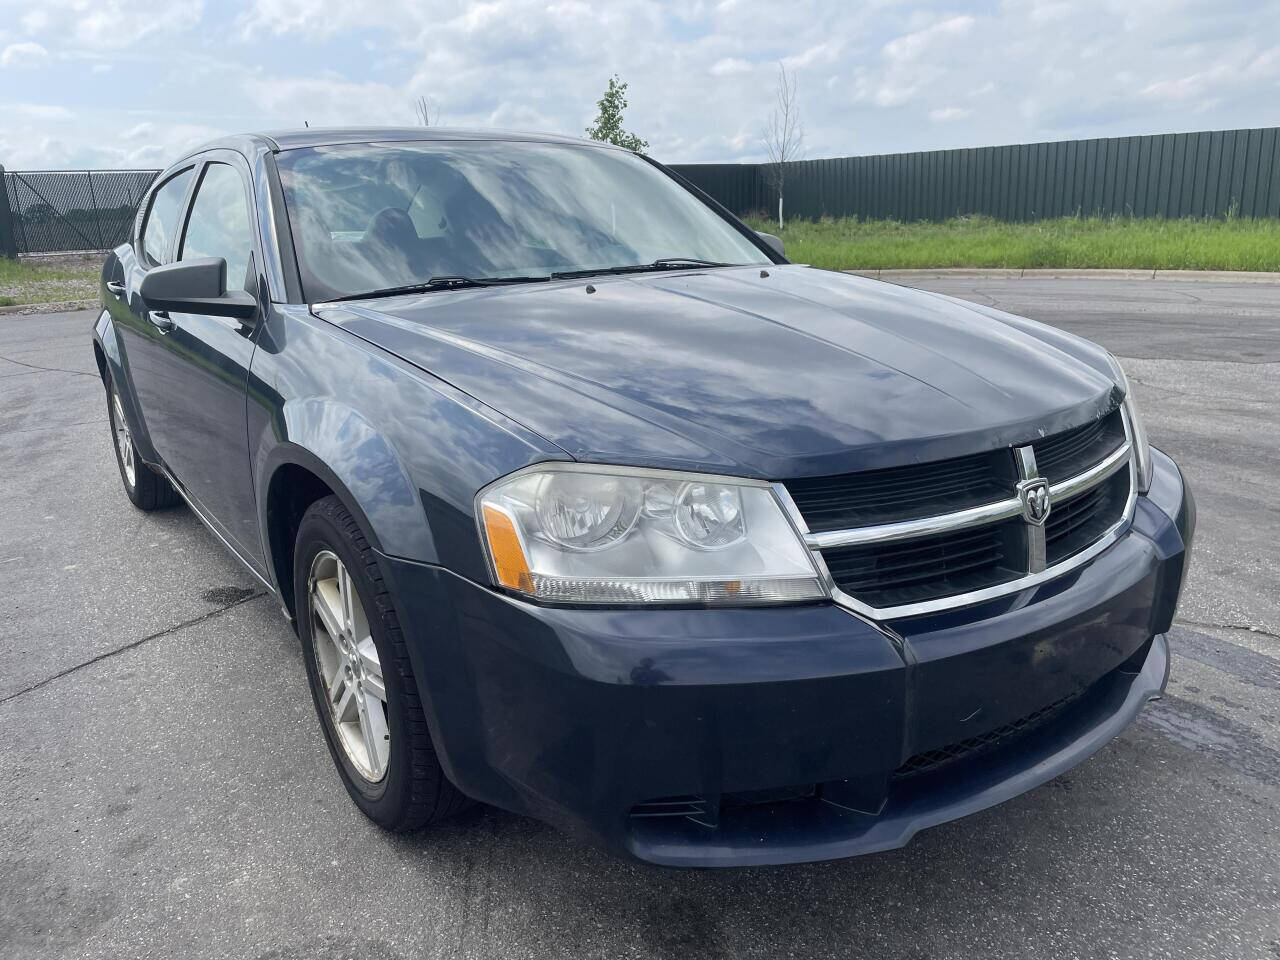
column 52, row 211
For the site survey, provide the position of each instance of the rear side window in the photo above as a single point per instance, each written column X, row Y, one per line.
column 219, row 223
column 162, row 218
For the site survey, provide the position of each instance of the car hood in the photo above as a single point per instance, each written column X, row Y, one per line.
column 777, row 373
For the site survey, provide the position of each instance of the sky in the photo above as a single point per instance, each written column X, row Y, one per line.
column 132, row 83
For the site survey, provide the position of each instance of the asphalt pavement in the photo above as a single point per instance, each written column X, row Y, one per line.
column 165, row 790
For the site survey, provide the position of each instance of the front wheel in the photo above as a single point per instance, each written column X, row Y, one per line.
column 361, row 679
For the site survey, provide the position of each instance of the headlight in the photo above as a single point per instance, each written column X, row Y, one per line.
column 1137, row 432
column 597, row 534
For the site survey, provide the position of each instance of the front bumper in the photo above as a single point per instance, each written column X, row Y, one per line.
column 716, row 737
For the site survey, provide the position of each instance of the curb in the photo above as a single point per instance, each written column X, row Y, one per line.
column 1072, row 273
column 64, row 306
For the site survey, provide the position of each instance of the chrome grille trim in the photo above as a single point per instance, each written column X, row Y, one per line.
column 910, row 529
column 975, row 516
column 1094, row 475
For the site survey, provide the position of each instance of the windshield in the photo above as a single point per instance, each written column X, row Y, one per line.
column 368, row 217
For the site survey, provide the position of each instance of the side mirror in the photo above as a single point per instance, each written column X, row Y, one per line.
column 196, row 286
column 774, row 243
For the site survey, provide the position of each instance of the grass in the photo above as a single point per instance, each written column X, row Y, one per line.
column 851, row 244
column 1088, row 242
column 23, row 281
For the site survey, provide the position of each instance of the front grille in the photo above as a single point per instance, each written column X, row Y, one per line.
column 755, row 798
column 907, row 571
column 909, row 567
column 707, row 810
column 903, row 493
column 686, row 806
column 931, row 760
column 1072, row 452
column 1078, row 521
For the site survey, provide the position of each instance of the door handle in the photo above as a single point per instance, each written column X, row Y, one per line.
column 160, row 320
column 116, row 287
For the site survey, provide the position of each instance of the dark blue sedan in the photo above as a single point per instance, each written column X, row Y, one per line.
column 586, row 503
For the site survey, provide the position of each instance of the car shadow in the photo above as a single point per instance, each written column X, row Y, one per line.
column 1054, row 855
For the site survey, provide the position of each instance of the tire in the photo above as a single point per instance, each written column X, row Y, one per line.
column 404, row 788
column 147, row 489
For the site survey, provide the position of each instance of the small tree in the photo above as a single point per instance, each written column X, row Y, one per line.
column 783, row 135
column 428, row 113
column 608, row 125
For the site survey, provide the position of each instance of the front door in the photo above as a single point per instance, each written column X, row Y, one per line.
column 201, row 432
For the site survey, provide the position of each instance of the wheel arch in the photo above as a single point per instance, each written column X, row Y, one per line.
column 106, row 348
column 332, row 450
column 291, row 490
column 111, row 367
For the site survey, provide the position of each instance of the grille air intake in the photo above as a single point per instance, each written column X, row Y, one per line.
column 1075, row 451
column 1077, row 522
column 906, row 571
column 903, row 493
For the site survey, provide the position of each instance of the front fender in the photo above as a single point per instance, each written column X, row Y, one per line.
column 404, row 450
column 340, row 446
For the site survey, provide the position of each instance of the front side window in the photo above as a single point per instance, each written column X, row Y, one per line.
column 370, row 216
column 219, row 223
column 162, row 219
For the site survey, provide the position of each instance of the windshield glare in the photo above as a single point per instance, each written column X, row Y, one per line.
column 371, row 216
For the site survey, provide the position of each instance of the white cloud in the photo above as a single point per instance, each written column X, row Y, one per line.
column 33, row 21
column 1218, row 80
column 826, row 52
column 38, row 111
column 25, row 150
column 912, row 62
column 28, row 54
column 328, row 100
column 910, row 47
column 728, row 66
column 112, row 24
column 1050, row 12
column 323, row 18
column 701, row 75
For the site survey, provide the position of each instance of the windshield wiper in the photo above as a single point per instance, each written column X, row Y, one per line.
column 458, row 283
column 437, row 283
column 663, row 263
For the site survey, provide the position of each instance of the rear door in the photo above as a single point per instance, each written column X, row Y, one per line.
column 201, row 433
column 139, row 330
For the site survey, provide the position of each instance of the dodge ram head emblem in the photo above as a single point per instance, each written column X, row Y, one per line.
column 1034, row 495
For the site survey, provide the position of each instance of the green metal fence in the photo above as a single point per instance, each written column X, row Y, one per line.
column 1211, row 174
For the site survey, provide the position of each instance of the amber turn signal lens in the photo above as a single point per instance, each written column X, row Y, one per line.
column 509, row 562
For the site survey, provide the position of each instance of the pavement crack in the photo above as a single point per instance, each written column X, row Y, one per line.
column 61, row 426
column 36, row 366
column 1256, row 631
column 132, row 645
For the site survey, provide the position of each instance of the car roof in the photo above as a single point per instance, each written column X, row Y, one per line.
column 328, row 136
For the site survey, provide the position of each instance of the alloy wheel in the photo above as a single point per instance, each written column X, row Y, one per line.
column 124, row 442
column 348, row 667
